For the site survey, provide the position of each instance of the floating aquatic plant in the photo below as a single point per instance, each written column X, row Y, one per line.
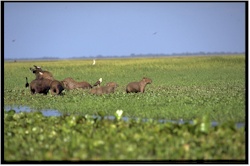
column 118, row 114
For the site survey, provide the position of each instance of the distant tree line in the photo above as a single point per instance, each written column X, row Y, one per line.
column 41, row 58
column 132, row 55
column 161, row 54
column 187, row 53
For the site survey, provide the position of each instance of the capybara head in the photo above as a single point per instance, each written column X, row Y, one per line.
column 147, row 80
column 64, row 84
column 36, row 69
column 40, row 74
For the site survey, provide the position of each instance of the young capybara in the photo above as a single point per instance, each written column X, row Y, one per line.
column 109, row 88
column 70, row 83
column 134, row 87
column 41, row 74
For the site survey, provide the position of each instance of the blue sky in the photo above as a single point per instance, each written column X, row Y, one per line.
column 33, row 30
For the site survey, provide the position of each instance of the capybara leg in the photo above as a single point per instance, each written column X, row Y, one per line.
column 141, row 89
column 127, row 91
column 32, row 91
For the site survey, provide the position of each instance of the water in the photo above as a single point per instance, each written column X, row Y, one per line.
column 51, row 112
column 45, row 112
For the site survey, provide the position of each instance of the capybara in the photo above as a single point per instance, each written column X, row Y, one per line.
column 134, row 87
column 112, row 84
column 109, row 88
column 70, row 83
column 41, row 74
column 40, row 86
column 44, row 85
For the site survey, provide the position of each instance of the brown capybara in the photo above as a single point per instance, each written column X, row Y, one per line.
column 109, row 88
column 44, row 85
column 70, row 83
column 41, row 74
column 112, row 84
column 40, row 86
column 134, row 87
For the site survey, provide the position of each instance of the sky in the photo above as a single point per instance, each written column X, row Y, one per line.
column 77, row 29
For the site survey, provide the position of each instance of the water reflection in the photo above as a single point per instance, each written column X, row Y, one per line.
column 45, row 112
column 51, row 112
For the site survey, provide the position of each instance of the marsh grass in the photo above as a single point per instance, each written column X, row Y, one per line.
column 182, row 88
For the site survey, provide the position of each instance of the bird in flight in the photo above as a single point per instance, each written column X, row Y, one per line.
column 154, row 33
column 13, row 40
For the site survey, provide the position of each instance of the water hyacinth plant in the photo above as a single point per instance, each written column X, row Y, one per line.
column 118, row 114
column 82, row 138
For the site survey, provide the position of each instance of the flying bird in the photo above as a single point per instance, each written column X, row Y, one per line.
column 154, row 33
column 13, row 40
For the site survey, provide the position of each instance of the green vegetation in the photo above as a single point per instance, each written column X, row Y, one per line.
column 190, row 88
column 182, row 88
column 31, row 136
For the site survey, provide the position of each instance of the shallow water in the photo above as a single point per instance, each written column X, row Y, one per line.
column 45, row 112
column 51, row 112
